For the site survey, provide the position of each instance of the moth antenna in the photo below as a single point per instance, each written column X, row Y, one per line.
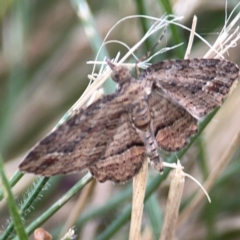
column 148, row 53
column 110, row 64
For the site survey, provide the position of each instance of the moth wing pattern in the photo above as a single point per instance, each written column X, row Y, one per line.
column 172, row 125
column 78, row 142
column 198, row 85
column 123, row 156
column 103, row 138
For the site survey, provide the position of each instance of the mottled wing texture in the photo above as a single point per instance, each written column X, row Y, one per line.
column 124, row 154
column 172, row 124
column 102, row 137
column 77, row 143
column 198, row 85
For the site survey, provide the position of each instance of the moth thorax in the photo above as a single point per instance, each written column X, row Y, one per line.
column 140, row 115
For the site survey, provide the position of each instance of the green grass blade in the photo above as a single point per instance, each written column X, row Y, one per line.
column 140, row 5
column 155, row 215
column 17, row 221
column 85, row 14
column 57, row 205
column 116, row 225
column 32, row 195
column 14, row 179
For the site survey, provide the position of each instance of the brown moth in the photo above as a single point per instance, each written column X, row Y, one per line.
column 158, row 110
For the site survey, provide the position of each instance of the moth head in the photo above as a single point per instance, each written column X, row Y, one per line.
column 119, row 74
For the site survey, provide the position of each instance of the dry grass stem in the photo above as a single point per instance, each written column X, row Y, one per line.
column 222, row 163
column 190, row 42
column 147, row 233
column 225, row 40
column 173, row 203
column 139, row 187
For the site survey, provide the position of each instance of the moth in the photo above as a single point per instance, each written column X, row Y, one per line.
column 158, row 110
